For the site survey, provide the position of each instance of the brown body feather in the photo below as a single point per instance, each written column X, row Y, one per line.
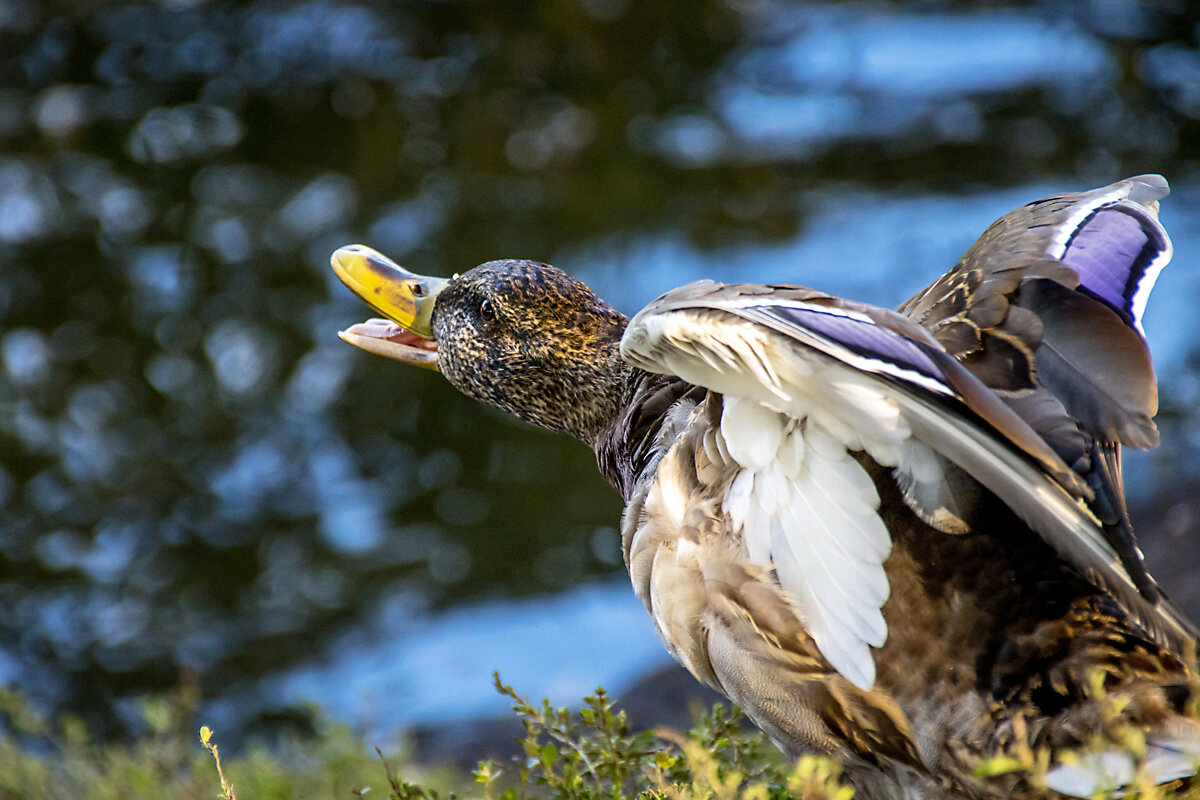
column 994, row 646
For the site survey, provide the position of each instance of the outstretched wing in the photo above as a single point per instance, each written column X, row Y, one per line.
column 841, row 376
column 1109, row 237
column 1046, row 309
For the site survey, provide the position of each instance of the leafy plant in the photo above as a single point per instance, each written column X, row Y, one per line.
column 595, row 754
column 590, row 754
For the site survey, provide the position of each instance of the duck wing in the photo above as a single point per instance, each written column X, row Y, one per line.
column 1046, row 310
column 722, row 475
column 803, row 370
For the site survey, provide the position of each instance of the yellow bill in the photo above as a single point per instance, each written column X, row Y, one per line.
column 405, row 298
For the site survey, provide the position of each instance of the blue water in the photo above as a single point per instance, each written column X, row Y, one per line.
column 397, row 672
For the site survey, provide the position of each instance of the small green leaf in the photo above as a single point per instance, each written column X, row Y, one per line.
column 999, row 765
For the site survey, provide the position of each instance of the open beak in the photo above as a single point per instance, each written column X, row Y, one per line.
column 405, row 298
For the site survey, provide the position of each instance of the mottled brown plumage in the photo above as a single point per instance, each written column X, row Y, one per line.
column 529, row 339
column 1036, row 633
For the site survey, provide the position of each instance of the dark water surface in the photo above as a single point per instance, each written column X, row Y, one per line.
column 197, row 475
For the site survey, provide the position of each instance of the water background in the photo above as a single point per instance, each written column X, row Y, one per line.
column 197, row 476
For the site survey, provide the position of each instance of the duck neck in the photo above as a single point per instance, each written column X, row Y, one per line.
column 629, row 444
column 604, row 382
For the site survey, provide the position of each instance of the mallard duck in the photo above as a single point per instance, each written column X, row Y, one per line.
column 898, row 538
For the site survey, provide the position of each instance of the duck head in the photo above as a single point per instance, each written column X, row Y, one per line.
column 521, row 336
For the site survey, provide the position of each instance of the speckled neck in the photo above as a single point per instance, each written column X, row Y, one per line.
column 596, row 392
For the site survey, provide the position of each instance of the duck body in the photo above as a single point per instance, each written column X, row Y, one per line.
column 992, row 641
column 898, row 538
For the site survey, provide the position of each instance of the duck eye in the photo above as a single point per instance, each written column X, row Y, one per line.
column 487, row 310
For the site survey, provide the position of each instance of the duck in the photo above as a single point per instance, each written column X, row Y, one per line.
column 897, row 538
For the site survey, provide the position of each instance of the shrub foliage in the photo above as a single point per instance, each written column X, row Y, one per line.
column 590, row 754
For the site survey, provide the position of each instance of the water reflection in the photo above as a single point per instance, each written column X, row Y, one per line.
column 196, row 473
column 388, row 674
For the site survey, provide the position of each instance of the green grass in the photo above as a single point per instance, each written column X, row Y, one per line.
column 58, row 758
column 588, row 754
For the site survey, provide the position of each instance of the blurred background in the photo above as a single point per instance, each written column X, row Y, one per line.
column 198, row 478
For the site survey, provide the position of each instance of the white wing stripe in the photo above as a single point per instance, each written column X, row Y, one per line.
column 1066, row 229
column 1141, row 295
column 840, row 351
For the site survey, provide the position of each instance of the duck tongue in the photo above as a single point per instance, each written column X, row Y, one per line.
column 377, row 328
column 386, row 338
